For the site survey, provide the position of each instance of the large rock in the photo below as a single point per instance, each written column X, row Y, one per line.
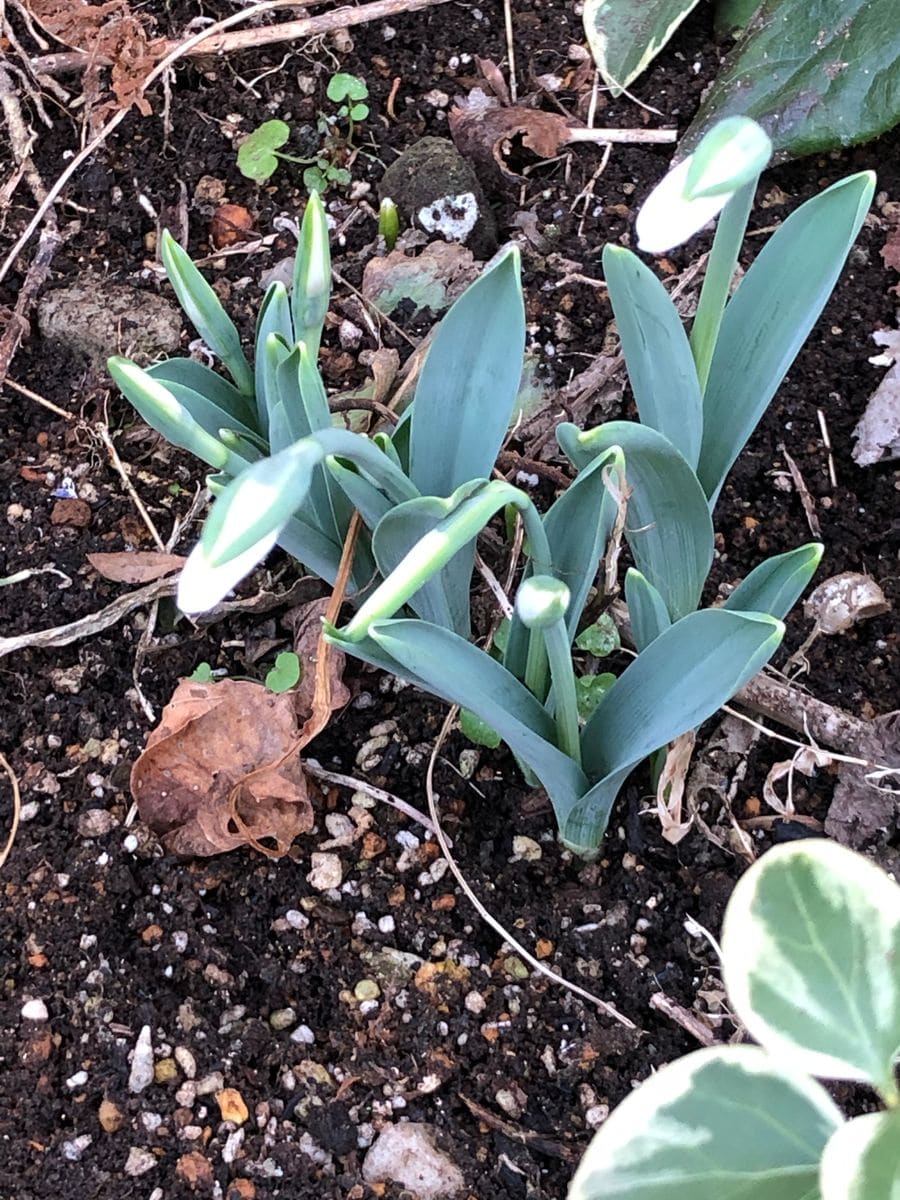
column 407, row 1155
column 93, row 318
column 437, row 190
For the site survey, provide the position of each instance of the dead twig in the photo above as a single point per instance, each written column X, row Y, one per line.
column 311, row 767
column 525, row 1137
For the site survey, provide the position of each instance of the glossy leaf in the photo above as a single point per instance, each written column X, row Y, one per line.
column 626, row 35
column 657, row 352
column 817, row 75
column 469, row 382
column 811, row 953
column 646, row 608
column 862, row 1160
column 724, row 1123
column 770, row 316
column 668, row 525
column 775, row 586
column 205, row 312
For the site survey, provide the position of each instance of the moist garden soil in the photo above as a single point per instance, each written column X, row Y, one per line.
column 246, row 974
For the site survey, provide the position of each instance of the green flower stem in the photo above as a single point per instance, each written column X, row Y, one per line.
column 720, row 269
column 559, row 653
column 537, row 675
column 439, row 545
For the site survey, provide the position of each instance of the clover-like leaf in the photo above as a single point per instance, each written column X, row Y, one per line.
column 346, row 87
column 256, row 158
column 285, row 674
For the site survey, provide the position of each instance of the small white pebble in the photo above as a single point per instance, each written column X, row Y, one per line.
column 141, row 1075
column 386, row 924
column 35, row 1010
column 303, row 1035
column 139, row 1162
column 73, row 1150
column 130, row 844
column 79, row 1079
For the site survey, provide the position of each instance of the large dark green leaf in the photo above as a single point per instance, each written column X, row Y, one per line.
column 770, row 316
column 469, row 383
column 816, row 74
column 626, row 35
column 657, row 352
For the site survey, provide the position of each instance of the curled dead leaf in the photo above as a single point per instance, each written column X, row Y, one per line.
column 141, row 566
column 843, row 600
column 222, row 769
column 806, row 760
column 490, row 135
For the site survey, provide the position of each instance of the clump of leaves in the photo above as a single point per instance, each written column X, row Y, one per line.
column 260, row 152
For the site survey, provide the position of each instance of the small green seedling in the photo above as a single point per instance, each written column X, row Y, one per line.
column 811, row 963
column 388, row 223
column 285, row 674
column 260, row 152
column 202, row 673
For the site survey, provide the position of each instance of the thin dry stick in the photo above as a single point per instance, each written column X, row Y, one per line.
column 311, row 767
column 535, row 963
column 510, row 50
column 631, row 137
column 310, row 27
column 17, row 809
column 37, row 399
column 102, row 432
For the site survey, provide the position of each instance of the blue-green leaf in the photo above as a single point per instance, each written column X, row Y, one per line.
column 274, row 340
column 775, row 586
column 657, row 352
column 205, row 312
column 468, row 385
column 668, row 525
column 862, row 1159
column 770, row 316
column 311, row 290
column 675, row 684
column 460, row 673
column 646, row 608
column 199, row 378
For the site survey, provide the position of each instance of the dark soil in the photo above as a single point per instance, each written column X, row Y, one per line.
column 113, row 935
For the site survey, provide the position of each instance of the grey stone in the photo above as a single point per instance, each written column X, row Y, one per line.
column 94, row 318
column 407, row 1155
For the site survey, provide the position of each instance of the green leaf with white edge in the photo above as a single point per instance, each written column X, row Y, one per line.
column 256, row 157
column 157, row 405
column 626, row 35
column 668, row 528
column 811, row 957
column 733, row 16
column 311, row 289
column 818, row 75
column 600, row 638
column 285, row 674
column 478, row 731
column 723, row 1123
column 443, row 597
column 460, row 673
column 862, row 1160
column 199, row 378
column 770, row 316
column 646, row 609
column 205, row 312
column 657, row 352
column 590, row 690
column 274, row 340
column 468, row 385
column 775, row 586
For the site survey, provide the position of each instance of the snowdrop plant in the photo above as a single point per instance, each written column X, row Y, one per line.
column 424, row 491
column 811, row 964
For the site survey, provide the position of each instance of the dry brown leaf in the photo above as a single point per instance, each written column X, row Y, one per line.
column 890, row 251
column 670, row 788
column 488, row 134
column 806, row 760
column 878, row 431
column 222, row 769
column 141, row 566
